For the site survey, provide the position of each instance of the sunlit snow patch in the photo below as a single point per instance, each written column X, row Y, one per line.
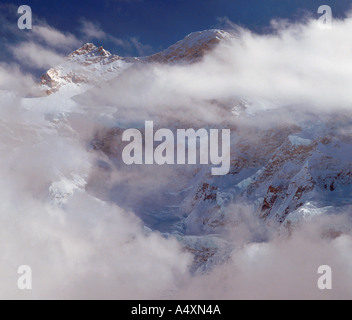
column 61, row 190
column 307, row 212
column 297, row 141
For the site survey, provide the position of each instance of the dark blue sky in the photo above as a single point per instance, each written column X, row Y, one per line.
column 160, row 23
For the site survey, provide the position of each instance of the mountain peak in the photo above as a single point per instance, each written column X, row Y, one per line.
column 89, row 49
column 192, row 48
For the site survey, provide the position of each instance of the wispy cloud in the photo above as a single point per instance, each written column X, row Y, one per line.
column 13, row 80
column 55, row 38
column 141, row 48
column 92, row 31
column 34, row 55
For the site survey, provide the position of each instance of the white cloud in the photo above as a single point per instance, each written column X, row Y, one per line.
column 55, row 38
column 283, row 268
column 13, row 80
column 35, row 55
column 92, row 31
column 142, row 49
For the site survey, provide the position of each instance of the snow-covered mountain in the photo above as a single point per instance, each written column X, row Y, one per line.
column 90, row 65
column 284, row 172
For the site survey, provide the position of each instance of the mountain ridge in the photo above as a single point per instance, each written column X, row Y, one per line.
column 90, row 64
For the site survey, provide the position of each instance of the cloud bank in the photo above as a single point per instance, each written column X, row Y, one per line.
column 297, row 65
